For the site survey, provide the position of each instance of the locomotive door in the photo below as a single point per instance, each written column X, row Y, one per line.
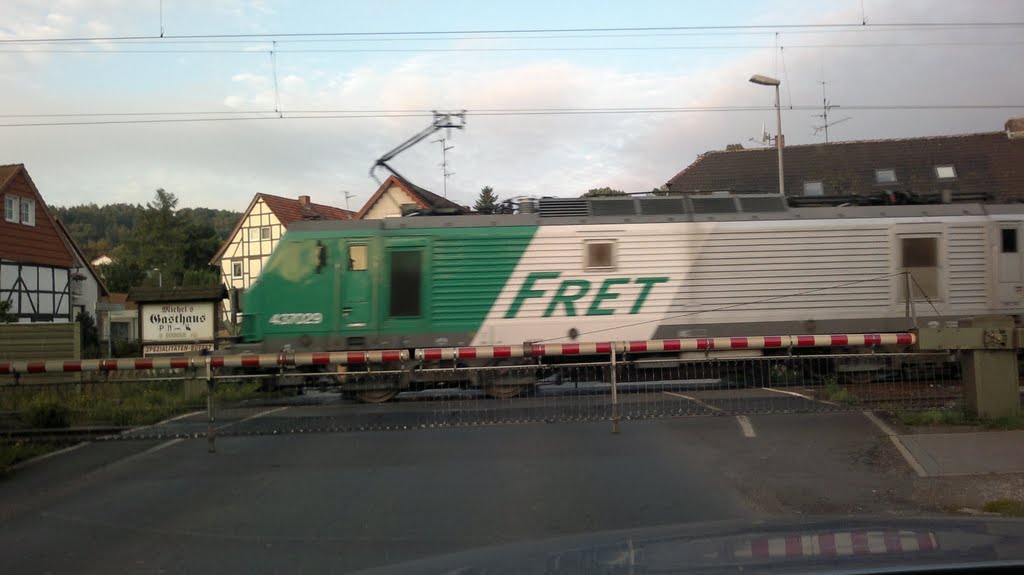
column 405, row 299
column 356, row 310
column 1011, row 280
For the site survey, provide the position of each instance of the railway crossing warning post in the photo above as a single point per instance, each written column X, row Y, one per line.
column 989, row 345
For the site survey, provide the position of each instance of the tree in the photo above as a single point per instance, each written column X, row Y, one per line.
column 602, row 193
column 487, row 202
column 90, row 338
column 122, row 275
column 6, row 317
column 733, row 147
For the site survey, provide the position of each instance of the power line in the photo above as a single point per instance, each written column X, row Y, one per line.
column 523, row 31
column 139, row 118
column 708, row 47
column 858, row 30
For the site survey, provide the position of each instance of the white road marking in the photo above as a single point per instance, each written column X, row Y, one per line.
column 46, row 456
column 910, row 459
column 168, row 420
column 253, row 416
column 699, row 402
column 746, row 426
column 801, row 396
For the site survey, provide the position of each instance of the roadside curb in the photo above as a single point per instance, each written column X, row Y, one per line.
column 894, row 437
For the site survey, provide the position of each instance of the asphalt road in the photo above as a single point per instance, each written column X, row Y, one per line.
column 343, row 501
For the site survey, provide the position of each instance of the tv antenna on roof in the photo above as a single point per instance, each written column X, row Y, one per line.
column 765, row 139
column 444, row 162
column 826, row 105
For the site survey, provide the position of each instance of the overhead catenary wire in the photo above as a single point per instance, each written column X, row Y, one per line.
column 141, row 117
column 524, row 31
column 500, row 49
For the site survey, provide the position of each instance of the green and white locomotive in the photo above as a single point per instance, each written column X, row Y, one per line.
column 615, row 269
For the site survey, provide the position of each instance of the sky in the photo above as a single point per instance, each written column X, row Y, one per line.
column 107, row 120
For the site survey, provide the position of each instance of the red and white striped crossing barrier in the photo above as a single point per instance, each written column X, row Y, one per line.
column 661, row 345
column 197, row 361
column 267, row 360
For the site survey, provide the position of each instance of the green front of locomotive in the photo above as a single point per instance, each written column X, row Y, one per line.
column 360, row 287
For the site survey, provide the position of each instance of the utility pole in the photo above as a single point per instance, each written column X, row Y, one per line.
column 444, row 163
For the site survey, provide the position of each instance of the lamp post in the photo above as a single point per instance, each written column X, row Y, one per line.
column 779, row 139
column 160, row 276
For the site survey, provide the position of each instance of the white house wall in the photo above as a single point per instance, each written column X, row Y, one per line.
column 247, row 247
column 36, row 293
column 389, row 204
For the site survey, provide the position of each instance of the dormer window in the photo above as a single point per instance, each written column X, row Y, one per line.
column 11, row 208
column 886, row 176
column 28, row 212
column 945, row 172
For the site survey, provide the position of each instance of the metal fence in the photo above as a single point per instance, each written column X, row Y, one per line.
column 316, row 393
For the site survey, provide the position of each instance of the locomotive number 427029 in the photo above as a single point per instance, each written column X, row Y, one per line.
column 297, row 318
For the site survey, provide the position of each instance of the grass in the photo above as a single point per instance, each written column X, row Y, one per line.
column 1007, row 507
column 122, row 404
column 14, row 452
column 958, row 416
column 837, row 393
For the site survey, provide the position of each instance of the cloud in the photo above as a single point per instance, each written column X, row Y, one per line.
column 223, row 164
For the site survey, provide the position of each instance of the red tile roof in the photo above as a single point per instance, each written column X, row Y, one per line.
column 424, row 198
column 80, row 260
column 988, row 164
column 39, row 244
column 287, row 210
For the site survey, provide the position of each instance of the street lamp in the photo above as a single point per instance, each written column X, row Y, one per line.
column 779, row 139
column 160, row 276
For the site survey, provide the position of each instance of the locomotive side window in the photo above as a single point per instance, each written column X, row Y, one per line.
column 599, row 255
column 357, row 258
column 406, row 269
column 1009, row 243
column 920, row 257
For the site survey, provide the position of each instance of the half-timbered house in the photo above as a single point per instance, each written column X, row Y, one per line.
column 37, row 265
column 241, row 258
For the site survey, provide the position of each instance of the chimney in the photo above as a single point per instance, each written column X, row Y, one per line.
column 304, row 200
column 1015, row 128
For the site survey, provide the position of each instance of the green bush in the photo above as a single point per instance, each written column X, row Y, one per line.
column 1008, row 507
column 46, row 413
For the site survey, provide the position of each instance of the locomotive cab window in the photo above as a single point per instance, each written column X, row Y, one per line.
column 406, row 293
column 357, row 258
column 599, row 255
column 1009, row 241
column 920, row 258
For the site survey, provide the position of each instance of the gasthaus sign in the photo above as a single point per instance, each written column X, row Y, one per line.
column 177, row 322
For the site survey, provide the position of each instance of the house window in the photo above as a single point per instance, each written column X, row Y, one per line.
column 11, row 208
column 265, row 233
column 920, row 258
column 236, row 269
column 945, row 172
column 814, row 189
column 599, row 255
column 28, row 212
column 357, row 258
column 1009, row 243
column 887, row 176
column 254, row 234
